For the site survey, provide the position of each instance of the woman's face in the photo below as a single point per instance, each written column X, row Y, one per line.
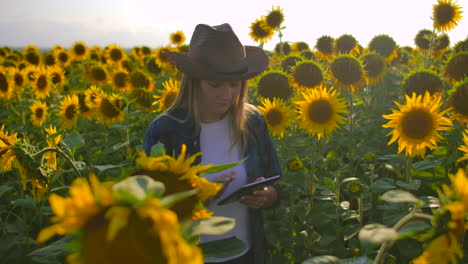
column 216, row 97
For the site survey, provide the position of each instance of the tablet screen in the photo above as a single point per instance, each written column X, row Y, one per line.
column 247, row 189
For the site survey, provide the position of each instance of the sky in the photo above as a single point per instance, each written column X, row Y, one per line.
column 129, row 23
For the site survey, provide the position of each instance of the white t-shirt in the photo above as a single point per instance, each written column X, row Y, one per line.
column 215, row 143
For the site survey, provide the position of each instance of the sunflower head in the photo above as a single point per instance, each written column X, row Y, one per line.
column 289, row 62
column 442, row 42
column 273, row 84
column 260, row 31
column 120, row 81
column 18, row 78
column 421, row 81
column 457, row 101
column 384, row 45
column 306, row 74
column 38, row 113
column 295, row 164
column 417, row 123
column 345, row 44
column 325, row 46
column 7, row 85
column 161, row 58
column 97, row 74
column 320, row 111
column 42, row 84
column 374, row 67
column 109, row 109
column 63, row 58
column 423, row 39
column 275, row 17
column 84, row 109
column 300, row 46
column 178, row 175
column 49, row 58
column 57, row 76
column 347, row 72
column 456, row 68
column 277, row 114
column 32, row 57
column 177, row 38
column 152, row 66
column 79, row 51
column 115, row 54
column 308, row 55
column 69, row 109
column 283, row 48
column 138, row 79
column 461, row 45
column 143, row 100
column 168, row 95
column 446, row 15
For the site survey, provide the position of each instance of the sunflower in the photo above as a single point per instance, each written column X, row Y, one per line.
column 345, row 44
column 32, row 58
column 51, row 156
column 325, row 46
column 97, row 74
column 79, row 51
column 161, row 58
column 145, row 50
column 289, row 62
column 179, row 175
column 457, row 101
column 300, row 46
column 295, row 164
column 446, row 15
column 42, row 85
column 464, row 148
column 308, row 55
column 461, row 45
column 443, row 249
column 374, row 67
column 109, row 109
column 120, row 81
column 283, row 48
column 91, row 96
column 274, row 18
column 31, row 48
column 69, row 109
column 143, row 100
column 6, row 85
column 423, row 39
column 442, row 43
column 348, row 72
column 277, row 114
column 177, row 38
column 85, row 110
column 49, row 58
column 115, row 54
column 18, row 78
column 167, row 95
column 456, row 68
column 57, row 76
column 7, row 150
column 306, row 74
column 30, row 73
column 63, row 58
column 384, row 45
column 260, row 31
column 416, row 124
column 152, row 66
column 138, row 79
column 321, row 111
column 421, row 81
column 39, row 113
column 273, row 84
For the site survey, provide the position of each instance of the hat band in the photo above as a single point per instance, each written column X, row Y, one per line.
column 242, row 71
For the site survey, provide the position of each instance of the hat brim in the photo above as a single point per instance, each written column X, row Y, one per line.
column 257, row 61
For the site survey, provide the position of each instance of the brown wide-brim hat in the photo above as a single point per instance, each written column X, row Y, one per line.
column 215, row 53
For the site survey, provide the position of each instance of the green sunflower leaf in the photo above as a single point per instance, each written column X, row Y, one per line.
column 172, row 199
column 400, row 196
column 135, row 189
column 222, row 167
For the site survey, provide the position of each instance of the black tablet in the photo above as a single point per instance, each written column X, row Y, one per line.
column 247, row 189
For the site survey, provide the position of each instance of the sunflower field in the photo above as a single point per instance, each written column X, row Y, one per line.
column 372, row 140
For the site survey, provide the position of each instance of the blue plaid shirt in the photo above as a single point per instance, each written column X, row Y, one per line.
column 262, row 160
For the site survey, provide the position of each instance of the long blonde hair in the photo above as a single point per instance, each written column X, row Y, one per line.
column 240, row 110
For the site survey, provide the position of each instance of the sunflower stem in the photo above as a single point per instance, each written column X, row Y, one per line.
column 408, row 162
column 387, row 245
column 351, row 119
column 428, row 59
column 65, row 156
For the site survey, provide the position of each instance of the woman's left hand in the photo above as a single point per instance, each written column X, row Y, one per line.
column 262, row 198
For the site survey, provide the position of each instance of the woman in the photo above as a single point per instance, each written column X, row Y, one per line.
column 210, row 115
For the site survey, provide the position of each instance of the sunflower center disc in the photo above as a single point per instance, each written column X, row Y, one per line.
column 417, row 124
column 39, row 113
column 320, row 112
column 3, row 83
column 108, row 109
column 274, row 117
column 42, row 82
column 445, row 14
column 70, row 112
